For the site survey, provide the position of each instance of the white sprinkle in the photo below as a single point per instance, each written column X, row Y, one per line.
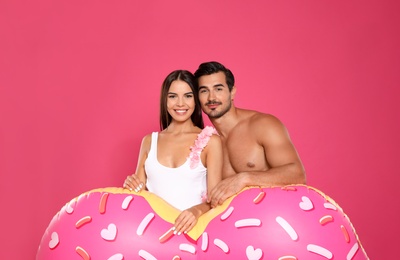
column 117, row 257
column 287, row 227
column 126, row 202
column 253, row 254
column 320, row 251
column 109, row 233
column 306, row 204
column 142, row 226
column 54, row 240
column 187, row 248
column 227, row 213
column 146, row 255
column 248, row 222
column 222, row 245
column 69, row 209
column 352, row 251
column 328, row 205
column 204, row 241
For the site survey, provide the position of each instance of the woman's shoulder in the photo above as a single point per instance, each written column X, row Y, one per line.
column 211, row 134
column 209, row 130
column 148, row 136
column 146, row 140
column 215, row 140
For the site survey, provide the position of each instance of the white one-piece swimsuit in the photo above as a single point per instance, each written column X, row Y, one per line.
column 182, row 187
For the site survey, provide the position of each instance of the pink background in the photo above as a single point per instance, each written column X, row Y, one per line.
column 79, row 87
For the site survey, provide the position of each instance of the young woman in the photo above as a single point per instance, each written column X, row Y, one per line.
column 183, row 161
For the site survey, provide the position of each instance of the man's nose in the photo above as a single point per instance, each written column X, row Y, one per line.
column 211, row 95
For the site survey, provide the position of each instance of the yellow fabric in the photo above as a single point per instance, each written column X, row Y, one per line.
column 168, row 212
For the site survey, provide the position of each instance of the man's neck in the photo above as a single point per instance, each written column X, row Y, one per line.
column 227, row 122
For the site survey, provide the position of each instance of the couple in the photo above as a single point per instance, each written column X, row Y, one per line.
column 195, row 168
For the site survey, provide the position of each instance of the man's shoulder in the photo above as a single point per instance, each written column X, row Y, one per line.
column 261, row 125
column 256, row 117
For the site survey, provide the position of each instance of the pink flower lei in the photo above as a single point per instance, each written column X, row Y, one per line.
column 199, row 144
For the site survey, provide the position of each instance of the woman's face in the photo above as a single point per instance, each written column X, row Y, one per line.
column 180, row 101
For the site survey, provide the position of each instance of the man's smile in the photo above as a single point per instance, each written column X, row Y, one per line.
column 213, row 105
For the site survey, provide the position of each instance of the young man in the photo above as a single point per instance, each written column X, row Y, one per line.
column 257, row 147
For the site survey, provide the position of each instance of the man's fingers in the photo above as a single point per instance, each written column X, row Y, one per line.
column 212, row 194
column 224, row 197
column 214, row 200
column 221, row 192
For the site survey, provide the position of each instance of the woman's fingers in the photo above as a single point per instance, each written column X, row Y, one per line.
column 127, row 184
column 184, row 223
column 138, row 187
column 132, row 182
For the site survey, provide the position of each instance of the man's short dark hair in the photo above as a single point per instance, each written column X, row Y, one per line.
column 211, row 67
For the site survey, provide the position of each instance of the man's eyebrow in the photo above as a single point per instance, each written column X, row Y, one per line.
column 214, row 86
column 219, row 85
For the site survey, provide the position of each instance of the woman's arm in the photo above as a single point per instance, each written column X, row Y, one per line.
column 137, row 181
column 212, row 159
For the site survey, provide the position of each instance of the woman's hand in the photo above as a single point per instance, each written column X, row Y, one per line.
column 186, row 221
column 132, row 182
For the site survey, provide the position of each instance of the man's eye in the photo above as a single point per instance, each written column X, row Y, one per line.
column 203, row 91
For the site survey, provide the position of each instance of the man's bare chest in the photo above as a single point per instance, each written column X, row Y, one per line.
column 244, row 153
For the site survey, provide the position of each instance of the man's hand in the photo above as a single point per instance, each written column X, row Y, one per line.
column 225, row 189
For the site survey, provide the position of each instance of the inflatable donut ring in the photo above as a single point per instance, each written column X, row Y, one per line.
column 282, row 223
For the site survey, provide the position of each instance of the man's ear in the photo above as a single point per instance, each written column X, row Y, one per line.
column 233, row 93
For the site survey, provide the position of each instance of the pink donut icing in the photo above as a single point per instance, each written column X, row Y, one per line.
column 285, row 223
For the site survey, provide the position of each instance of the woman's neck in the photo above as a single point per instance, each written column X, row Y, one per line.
column 181, row 127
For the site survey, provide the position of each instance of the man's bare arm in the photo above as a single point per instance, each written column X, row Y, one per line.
column 285, row 166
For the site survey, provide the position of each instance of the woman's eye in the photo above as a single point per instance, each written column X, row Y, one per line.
column 189, row 96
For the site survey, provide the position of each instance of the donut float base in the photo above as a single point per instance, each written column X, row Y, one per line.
column 294, row 222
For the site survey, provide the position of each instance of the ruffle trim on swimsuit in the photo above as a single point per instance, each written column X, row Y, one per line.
column 199, row 144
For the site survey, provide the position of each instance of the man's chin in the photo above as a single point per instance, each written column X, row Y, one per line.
column 214, row 114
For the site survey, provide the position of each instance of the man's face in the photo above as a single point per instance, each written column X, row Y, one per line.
column 215, row 97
